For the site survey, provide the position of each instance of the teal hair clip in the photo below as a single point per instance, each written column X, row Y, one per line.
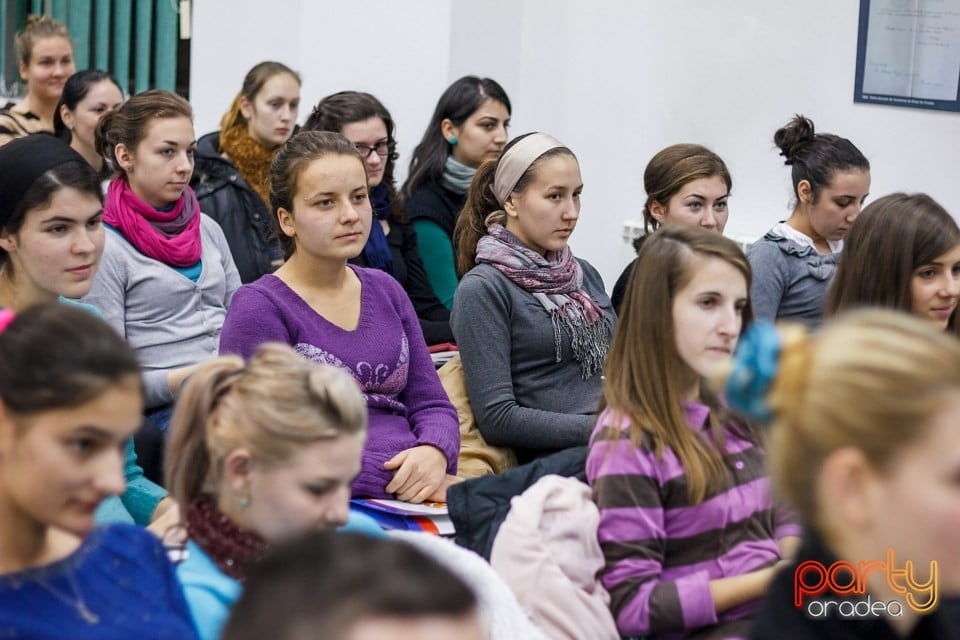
column 755, row 366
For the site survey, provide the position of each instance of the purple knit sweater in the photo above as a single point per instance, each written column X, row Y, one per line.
column 386, row 354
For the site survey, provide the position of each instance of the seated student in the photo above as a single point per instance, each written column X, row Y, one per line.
column 86, row 96
column 865, row 444
column 51, row 240
column 467, row 128
column 688, row 527
column 531, row 320
column 795, row 261
column 258, row 453
column 355, row 318
column 392, row 245
column 167, row 276
column 685, row 184
column 70, row 397
column 347, row 587
column 902, row 252
column 45, row 61
column 232, row 173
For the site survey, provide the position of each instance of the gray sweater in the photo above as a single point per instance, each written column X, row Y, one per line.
column 520, row 396
column 789, row 280
column 169, row 320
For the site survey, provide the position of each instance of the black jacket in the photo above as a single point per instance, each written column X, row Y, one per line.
column 227, row 198
column 479, row 506
column 433, row 201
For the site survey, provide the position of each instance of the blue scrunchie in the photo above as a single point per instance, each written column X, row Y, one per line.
column 755, row 364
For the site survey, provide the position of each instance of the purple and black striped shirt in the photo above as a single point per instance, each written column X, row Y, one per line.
column 661, row 550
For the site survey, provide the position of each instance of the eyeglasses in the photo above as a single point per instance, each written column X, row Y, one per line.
column 382, row 149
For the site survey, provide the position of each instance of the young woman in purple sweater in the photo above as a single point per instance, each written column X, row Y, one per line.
column 355, row 318
column 688, row 527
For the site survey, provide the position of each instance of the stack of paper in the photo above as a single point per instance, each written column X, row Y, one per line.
column 431, row 517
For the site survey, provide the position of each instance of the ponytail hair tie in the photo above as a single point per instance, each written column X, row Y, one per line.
column 6, row 317
column 755, row 365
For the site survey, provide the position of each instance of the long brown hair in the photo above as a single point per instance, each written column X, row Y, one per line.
column 893, row 237
column 457, row 103
column 643, row 367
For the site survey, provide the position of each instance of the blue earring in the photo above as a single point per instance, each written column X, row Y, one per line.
column 453, row 141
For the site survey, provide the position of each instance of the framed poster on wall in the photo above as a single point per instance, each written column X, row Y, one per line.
column 908, row 54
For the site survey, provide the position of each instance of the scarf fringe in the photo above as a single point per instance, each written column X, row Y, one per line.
column 556, row 282
column 588, row 341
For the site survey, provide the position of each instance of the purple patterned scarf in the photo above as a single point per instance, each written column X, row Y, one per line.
column 556, row 282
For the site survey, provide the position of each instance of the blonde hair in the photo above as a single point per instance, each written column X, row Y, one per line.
column 253, row 82
column 272, row 406
column 38, row 28
column 870, row 380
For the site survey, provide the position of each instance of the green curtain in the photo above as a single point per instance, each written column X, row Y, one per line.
column 135, row 40
column 167, row 30
column 77, row 17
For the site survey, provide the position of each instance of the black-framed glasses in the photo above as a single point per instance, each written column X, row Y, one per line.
column 382, row 149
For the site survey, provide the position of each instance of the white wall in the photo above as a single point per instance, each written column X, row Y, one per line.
column 397, row 50
column 616, row 80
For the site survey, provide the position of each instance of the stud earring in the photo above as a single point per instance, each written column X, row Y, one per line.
column 243, row 501
column 453, row 141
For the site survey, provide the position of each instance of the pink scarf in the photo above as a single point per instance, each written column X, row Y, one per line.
column 172, row 237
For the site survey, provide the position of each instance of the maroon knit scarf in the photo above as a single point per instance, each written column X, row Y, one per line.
column 556, row 281
column 232, row 549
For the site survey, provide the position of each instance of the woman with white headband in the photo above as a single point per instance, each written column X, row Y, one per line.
column 532, row 322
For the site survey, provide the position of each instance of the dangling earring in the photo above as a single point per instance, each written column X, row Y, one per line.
column 453, row 141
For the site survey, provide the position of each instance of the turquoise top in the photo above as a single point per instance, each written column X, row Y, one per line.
column 436, row 251
column 192, row 272
column 211, row 593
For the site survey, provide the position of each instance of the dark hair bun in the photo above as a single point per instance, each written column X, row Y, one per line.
column 793, row 137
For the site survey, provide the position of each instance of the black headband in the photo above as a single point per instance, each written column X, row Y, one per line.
column 22, row 161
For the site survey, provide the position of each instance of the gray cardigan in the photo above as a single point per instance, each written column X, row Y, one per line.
column 169, row 320
column 789, row 280
column 520, row 396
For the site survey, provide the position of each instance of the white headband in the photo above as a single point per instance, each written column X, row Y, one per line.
column 517, row 159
